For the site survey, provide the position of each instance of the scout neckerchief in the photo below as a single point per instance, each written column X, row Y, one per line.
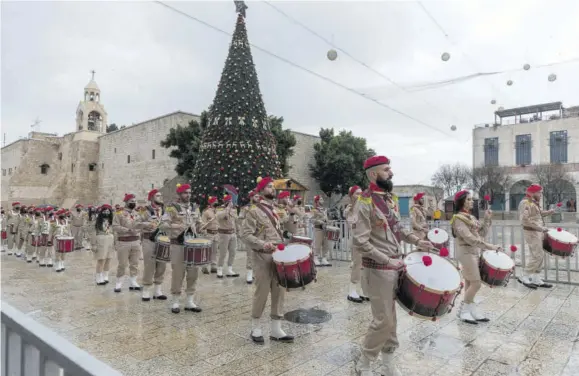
column 382, row 206
column 272, row 217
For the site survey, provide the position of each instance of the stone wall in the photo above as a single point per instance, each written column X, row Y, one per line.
column 300, row 161
column 119, row 175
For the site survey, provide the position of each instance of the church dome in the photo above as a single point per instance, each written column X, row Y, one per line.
column 92, row 85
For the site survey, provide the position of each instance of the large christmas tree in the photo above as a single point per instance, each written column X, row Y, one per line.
column 238, row 146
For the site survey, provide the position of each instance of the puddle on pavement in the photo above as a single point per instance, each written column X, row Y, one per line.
column 308, row 316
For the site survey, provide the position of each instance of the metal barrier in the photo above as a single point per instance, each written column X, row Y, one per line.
column 555, row 269
column 30, row 349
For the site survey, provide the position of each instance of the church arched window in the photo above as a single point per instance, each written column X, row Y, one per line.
column 44, row 169
column 94, row 121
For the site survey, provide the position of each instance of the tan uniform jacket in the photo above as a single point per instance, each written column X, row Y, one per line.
column 241, row 218
column 12, row 219
column 258, row 228
column 419, row 223
column 319, row 216
column 127, row 223
column 107, row 229
column 149, row 219
column 178, row 218
column 78, row 219
column 373, row 236
column 293, row 221
column 62, row 228
column 209, row 220
column 531, row 215
column 226, row 218
column 351, row 214
column 470, row 234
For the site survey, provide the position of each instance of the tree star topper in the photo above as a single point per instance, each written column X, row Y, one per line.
column 240, row 7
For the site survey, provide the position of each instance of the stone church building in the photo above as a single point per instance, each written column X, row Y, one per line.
column 90, row 166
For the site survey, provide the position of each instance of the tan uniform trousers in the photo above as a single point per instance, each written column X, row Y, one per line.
column 356, row 272
column 227, row 246
column 266, row 282
column 249, row 254
column 22, row 238
column 469, row 265
column 12, row 239
column 534, row 240
column 381, row 335
column 322, row 245
column 181, row 272
column 154, row 270
column 30, row 249
column 77, row 234
column 128, row 254
column 45, row 252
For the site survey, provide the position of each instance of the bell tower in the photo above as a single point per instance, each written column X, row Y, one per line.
column 90, row 113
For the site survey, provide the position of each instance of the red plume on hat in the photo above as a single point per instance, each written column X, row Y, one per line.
column 128, row 196
column 317, row 198
column 353, row 190
column 211, row 200
column 376, row 160
column 460, row 194
column 106, row 206
column 227, row 198
column 78, row 206
column 262, row 183
column 418, row 196
column 297, row 197
column 182, row 188
column 534, row 188
column 251, row 194
column 283, row 195
column 152, row 194
column 16, row 203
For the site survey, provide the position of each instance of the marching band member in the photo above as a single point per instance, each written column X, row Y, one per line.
column 154, row 271
column 179, row 223
column 33, row 234
column 299, row 213
column 44, row 231
column 128, row 246
column 77, row 220
column 286, row 213
column 12, row 221
column 254, row 199
column 351, row 213
column 210, row 227
column 418, row 215
column 531, row 217
column 469, row 234
column 226, row 219
column 63, row 229
column 89, row 229
column 377, row 236
column 22, row 231
column 104, row 243
column 262, row 231
column 4, row 227
column 322, row 246
column 52, row 227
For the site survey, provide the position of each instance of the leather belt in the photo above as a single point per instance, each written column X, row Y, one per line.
column 263, row 251
column 371, row 264
column 212, row 232
column 223, row 231
column 128, row 238
column 176, row 242
column 527, row 228
column 147, row 235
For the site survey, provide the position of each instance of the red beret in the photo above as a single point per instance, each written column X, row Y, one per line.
column 151, row 194
column 182, row 188
column 419, row 196
column 317, row 198
column 262, row 183
column 48, row 209
column 128, row 196
column 283, row 194
column 460, row 194
column 376, row 160
column 211, row 199
column 16, row 203
column 297, row 197
column 226, row 198
column 251, row 194
column 78, row 206
column 353, row 190
column 534, row 188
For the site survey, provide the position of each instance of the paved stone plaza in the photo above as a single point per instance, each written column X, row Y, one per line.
column 531, row 332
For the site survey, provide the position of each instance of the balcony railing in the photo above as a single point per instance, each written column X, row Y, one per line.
column 31, row 349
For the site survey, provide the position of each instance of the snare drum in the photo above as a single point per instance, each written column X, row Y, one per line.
column 495, row 268
column 301, row 240
column 43, row 240
column 559, row 242
column 4, row 235
column 35, row 240
column 428, row 292
column 64, row 244
column 332, row 233
column 197, row 251
column 162, row 252
column 438, row 237
column 294, row 266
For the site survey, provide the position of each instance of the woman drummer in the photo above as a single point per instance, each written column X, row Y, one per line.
column 469, row 234
column 104, row 249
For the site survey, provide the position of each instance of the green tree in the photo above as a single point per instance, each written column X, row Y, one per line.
column 285, row 142
column 186, row 142
column 338, row 161
column 111, row 128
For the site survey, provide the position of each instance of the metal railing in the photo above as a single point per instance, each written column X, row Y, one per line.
column 555, row 269
column 31, row 349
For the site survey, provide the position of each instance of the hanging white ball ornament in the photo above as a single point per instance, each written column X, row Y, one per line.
column 509, row 83
column 526, row 67
column 445, row 56
column 332, row 55
column 552, row 77
column 453, row 128
column 493, row 102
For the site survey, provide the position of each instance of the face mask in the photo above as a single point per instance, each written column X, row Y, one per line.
column 386, row 185
column 269, row 196
column 61, row 216
column 131, row 205
column 299, row 202
column 78, row 210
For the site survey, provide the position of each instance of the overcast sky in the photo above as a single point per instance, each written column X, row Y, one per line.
column 151, row 61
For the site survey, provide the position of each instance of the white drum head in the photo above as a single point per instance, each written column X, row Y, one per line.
column 291, row 253
column 498, row 260
column 438, row 236
column 332, row 228
column 66, row 237
column 164, row 239
column 562, row 236
column 441, row 275
column 302, row 238
column 197, row 241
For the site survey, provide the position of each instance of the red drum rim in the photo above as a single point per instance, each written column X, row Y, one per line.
column 419, row 316
column 560, row 241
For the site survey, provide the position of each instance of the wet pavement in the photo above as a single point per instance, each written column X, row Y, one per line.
column 531, row 333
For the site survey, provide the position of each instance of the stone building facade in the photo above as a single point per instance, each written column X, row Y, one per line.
column 90, row 166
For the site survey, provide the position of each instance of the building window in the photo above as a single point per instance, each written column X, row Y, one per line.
column 128, row 159
column 60, row 156
column 3, row 172
column 115, row 150
column 491, row 151
column 9, row 171
column 92, row 166
column 72, row 167
column 558, row 143
column 523, row 149
column 103, row 165
column 44, row 169
column 153, row 154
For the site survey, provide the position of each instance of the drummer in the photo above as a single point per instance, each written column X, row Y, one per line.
column 210, row 228
column 418, row 215
column 261, row 232
column 254, row 199
column 470, row 234
column 104, row 243
column 322, row 245
column 352, row 218
column 531, row 217
column 154, row 271
column 377, row 237
column 179, row 223
column 300, row 213
column 62, row 229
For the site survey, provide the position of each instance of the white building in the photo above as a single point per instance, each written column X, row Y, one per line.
column 522, row 138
